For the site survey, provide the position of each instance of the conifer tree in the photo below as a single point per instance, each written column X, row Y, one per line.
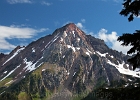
column 131, row 8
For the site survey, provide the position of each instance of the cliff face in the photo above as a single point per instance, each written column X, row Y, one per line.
column 66, row 62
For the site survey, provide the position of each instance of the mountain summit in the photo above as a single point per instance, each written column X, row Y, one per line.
column 67, row 62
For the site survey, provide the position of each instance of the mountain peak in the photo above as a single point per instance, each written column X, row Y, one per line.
column 70, row 27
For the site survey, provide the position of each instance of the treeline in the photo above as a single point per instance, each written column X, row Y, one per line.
column 130, row 93
column 32, row 87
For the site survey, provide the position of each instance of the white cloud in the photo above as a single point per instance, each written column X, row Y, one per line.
column 12, row 32
column 46, row 3
column 112, row 39
column 117, row 1
column 79, row 25
column 83, row 20
column 5, row 45
column 18, row 1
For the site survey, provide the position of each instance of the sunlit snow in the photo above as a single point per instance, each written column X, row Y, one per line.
column 130, row 80
column 53, row 40
column 112, row 56
column 5, row 72
column 14, row 55
column 33, row 50
column 73, row 33
column 65, row 34
column 122, row 70
column 74, row 73
column 102, row 55
column 87, row 53
column 43, row 69
column 78, row 48
column 69, row 46
column 30, row 66
column 9, row 73
column 78, row 39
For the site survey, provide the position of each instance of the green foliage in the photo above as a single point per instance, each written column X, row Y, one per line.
column 42, row 92
column 23, row 96
column 85, row 56
column 3, row 83
column 101, row 82
column 79, row 96
column 114, row 94
column 131, row 8
column 134, row 41
column 30, row 88
column 8, row 96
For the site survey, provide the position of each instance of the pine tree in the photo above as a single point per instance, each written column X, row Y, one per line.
column 131, row 8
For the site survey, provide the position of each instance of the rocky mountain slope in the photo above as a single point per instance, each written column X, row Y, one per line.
column 64, row 65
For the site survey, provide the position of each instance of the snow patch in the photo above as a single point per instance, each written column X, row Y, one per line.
column 65, row 34
column 74, row 73
column 43, row 70
column 53, row 40
column 112, row 56
column 106, row 88
column 5, row 72
column 122, row 70
column 126, row 85
column 61, row 39
column 33, row 50
column 10, row 73
column 137, row 70
column 13, row 55
column 88, row 53
column 2, row 92
column 63, row 56
column 68, row 73
column 102, row 55
column 69, row 46
column 78, row 48
column 30, row 66
column 73, row 33
column 130, row 80
column 78, row 39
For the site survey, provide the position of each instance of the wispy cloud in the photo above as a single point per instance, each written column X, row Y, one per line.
column 79, row 25
column 112, row 39
column 83, row 20
column 19, row 1
column 117, row 1
column 46, row 3
column 16, row 32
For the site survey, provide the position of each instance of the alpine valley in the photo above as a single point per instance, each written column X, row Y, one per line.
column 67, row 65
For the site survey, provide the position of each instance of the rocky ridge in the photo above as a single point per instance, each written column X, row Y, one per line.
column 68, row 60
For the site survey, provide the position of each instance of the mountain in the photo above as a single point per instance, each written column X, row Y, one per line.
column 65, row 64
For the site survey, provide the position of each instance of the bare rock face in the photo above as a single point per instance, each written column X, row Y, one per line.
column 2, row 56
column 68, row 60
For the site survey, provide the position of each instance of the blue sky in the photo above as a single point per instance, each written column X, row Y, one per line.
column 24, row 21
